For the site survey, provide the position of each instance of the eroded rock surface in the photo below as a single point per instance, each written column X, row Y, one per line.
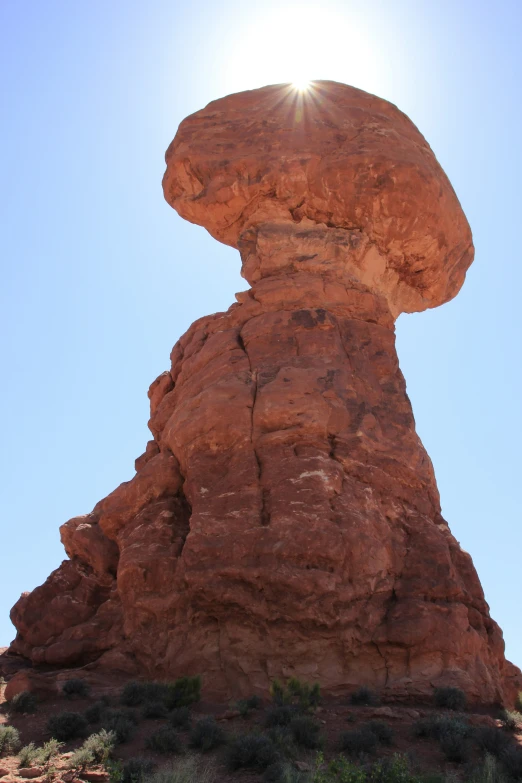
column 285, row 518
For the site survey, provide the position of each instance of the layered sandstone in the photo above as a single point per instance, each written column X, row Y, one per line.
column 285, row 518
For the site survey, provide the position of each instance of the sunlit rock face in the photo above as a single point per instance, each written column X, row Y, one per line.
column 285, row 518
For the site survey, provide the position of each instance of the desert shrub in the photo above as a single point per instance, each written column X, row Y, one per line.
column 180, row 718
column 164, row 740
column 451, row 698
column 80, row 759
column 382, row 730
column 154, row 709
column 435, row 726
column 120, row 722
column 358, row 742
column 23, row 702
column 76, row 687
column 299, row 694
column 339, row 770
column 518, row 702
column 206, row 735
column 283, row 739
column 306, row 732
column 188, row 769
column 95, row 712
column 100, row 745
column 396, row 770
column 492, row 740
column 9, row 740
column 65, row 726
column 455, row 747
column 252, row 751
column 511, row 720
column 284, row 772
column 135, row 769
column 489, row 771
column 245, row 706
column 280, row 715
column 511, row 758
column 27, row 755
column 364, row 696
column 49, row 750
column 183, row 692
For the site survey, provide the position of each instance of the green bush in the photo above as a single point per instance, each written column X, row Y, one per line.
column 80, row 759
column 299, row 694
column 280, row 715
column 252, row 751
column 455, row 747
column 284, row 772
column 358, row 742
column 23, row 702
column 206, row 735
column 450, row 698
column 511, row 758
column 154, row 709
column 187, row 769
column 183, row 692
column 164, row 740
column 512, row 721
column 492, row 740
column 245, row 706
column 65, row 726
column 27, row 755
column 364, row 696
column 95, row 712
column 9, row 740
column 120, row 722
column 283, row 739
column 435, row 726
column 76, row 687
column 49, row 750
column 180, row 718
column 383, row 731
column 135, row 769
column 100, row 745
column 306, row 732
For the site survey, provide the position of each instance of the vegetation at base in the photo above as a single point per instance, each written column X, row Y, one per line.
column 493, row 740
column 30, row 754
column 76, row 687
column 207, row 735
column 306, row 732
column 95, row 712
column 252, row 751
column 164, row 740
column 120, row 722
column 180, row 718
column 450, row 698
column 9, row 740
column 300, row 695
column 188, row 769
column 280, row 716
column 512, row 721
column 96, row 749
column 285, row 772
column 135, row 769
column 358, row 742
column 245, row 706
column 23, row 702
column 364, row 696
column 154, row 709
column 27, row 755
column 181, row 693
column 66, row 726
column 382, row 731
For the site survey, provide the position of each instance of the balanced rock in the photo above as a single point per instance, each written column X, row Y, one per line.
column 285, row 518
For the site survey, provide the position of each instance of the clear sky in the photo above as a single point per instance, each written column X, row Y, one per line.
column 100, row 277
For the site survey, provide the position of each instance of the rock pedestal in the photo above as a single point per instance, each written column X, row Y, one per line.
column 285, row 518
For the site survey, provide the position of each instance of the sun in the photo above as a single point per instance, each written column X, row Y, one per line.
column 301, row 85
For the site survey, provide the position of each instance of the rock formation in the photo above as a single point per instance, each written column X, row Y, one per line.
column 285, row 518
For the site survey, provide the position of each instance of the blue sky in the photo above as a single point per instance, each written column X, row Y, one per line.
column 100, row 277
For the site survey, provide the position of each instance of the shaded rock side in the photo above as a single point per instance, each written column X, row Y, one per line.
column 285, row 519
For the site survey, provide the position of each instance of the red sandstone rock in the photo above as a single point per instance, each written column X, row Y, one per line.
column 285, row 519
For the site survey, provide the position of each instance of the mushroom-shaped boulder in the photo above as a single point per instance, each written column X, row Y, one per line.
column 335, row 157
